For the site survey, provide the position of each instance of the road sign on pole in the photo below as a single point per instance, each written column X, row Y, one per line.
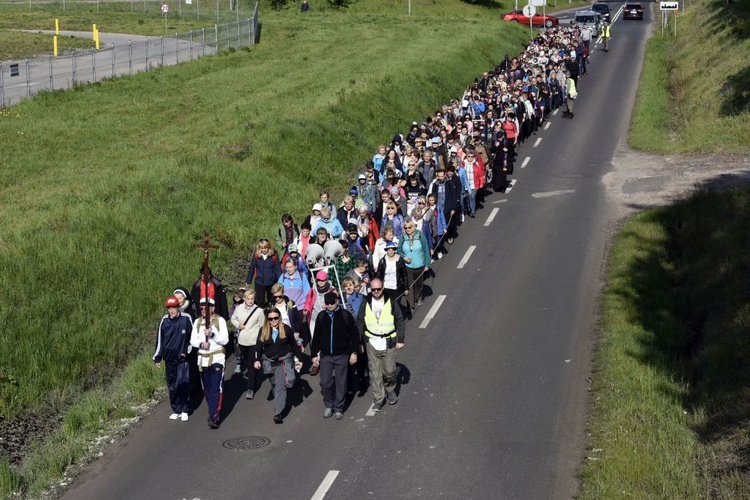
column 529, row 10
column 165, row 8
column 669, row 5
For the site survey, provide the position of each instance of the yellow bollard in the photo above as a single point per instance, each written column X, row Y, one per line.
column 93, row 32
column 57, row 26
column 97, row 38
column 54, row 44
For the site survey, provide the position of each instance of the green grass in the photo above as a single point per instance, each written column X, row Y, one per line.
column 672, row 381
column 17, row 45
column 107, row 187
column 695, row 91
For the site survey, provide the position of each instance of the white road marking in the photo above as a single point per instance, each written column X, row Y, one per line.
column 526, row 162
column 492, row 216
column 546, row 125
column 466, row 257
column 433, row 311
column 320, row 493
column 499, row 201
column 553, row 193
column 510, row 186
column 555, row 111
column 539, row 140
column 371, row 412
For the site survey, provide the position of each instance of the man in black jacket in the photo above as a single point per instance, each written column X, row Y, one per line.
column 335, row 343
column 173, row 346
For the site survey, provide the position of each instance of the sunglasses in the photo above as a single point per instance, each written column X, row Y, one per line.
column 277, row 297
column 377, row 289
column 421, row 203
column 274, row 318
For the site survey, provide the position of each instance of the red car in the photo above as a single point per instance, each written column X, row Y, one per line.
column 536, row 20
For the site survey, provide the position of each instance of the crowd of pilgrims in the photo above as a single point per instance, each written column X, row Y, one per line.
column 403, row 211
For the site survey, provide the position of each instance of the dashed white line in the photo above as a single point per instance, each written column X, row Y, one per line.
column 546, row 125
column 538, row 141
column 320, row 493
column 555, row 111
column 492, row 215
column 433, row 311
column 371, row 412
column 510, row 187
column 498, row 201
column 526, row 162
column 466, row 257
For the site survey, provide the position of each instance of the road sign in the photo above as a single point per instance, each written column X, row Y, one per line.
column 529, row 10
column 669, row 5
column 538, row 3
column 165, row 8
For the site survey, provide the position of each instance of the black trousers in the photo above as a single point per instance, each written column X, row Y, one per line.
column 333, row 375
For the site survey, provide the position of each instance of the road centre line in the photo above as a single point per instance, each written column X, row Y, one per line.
column 555, row 111
column 546, row 125
column 433, row 311
column 492, row 216
column 526, row 162
column 320, row 493
column 539, row 140
column 466, row 257
column 510, row 187
column 498, row 201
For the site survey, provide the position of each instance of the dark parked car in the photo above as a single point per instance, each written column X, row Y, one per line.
column 603, row 9
column 633, row 11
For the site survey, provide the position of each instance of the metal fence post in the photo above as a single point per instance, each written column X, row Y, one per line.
column 28, row 80
column 162, row 50
column 51, row 83
column 74, row 67
column 216, row 32
column 130, row 57
column 203, row 40
column 146, row 52
column 93, row 66
column 191, row 45
column 178, row 48
column 113, row 60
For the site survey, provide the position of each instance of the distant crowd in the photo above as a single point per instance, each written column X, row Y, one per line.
column 330, row 295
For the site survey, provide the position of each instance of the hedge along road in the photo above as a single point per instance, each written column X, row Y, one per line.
column 493, row 383
column 120, row 54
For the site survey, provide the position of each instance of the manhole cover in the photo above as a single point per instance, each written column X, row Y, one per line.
column 246, row 443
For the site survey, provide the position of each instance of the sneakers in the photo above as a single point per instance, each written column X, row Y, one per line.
column 277, row 419
column 378, row 405
column 184, row 416
column 327, row 413
column 250, row 394
column 338, row 415
column 391, row 398
column 174, row 416
column 213, row 423
column 450, row 241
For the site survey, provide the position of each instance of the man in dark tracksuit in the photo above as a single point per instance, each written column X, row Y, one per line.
column 335, row 345
column 172, row 346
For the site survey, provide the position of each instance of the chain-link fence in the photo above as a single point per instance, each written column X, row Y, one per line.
column 22, row 79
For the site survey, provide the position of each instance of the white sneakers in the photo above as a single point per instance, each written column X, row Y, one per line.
column 174, row 416
column 182, row 416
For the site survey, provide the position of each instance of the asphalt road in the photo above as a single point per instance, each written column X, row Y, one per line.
column 493, row 392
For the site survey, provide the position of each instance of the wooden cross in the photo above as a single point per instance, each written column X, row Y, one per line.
column 207, row 247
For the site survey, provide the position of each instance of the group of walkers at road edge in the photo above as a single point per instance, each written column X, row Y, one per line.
column 327, row 300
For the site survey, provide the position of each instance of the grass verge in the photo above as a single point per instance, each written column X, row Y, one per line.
column 672, row 385
column 18, row 45
column 694, row 94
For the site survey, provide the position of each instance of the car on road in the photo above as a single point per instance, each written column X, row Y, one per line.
column 536, row 20
column 633, row 11
column 603, row 9
column 591, row 18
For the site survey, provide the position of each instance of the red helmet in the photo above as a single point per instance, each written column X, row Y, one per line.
column 173, row 302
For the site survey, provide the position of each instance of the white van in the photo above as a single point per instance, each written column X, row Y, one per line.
column 591, row 18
